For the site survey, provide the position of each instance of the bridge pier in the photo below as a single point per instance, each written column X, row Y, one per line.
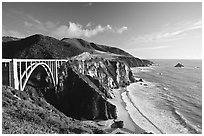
column 56, row 72
column 14, row 74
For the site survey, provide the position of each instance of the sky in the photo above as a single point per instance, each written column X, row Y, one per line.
column 150, row 30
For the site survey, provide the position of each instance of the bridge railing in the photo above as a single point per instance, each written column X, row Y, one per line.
column 16, row 71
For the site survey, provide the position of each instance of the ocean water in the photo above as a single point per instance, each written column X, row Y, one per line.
column 171, row 102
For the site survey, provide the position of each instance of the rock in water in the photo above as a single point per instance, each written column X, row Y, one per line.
column 117, row 124
column 140, row 80
column 179, row 65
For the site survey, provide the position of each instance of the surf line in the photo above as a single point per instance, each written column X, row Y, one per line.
column 128, row 95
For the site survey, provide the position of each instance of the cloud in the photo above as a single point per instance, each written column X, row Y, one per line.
column 120, row 30
column 28, row 24
column 34, row 19
column 169, row 33
column 50, row 24
column 29, row 21
column 89, row 25
column 35, row 24
column 77, row 30
column 12, row 33
column 32, row 24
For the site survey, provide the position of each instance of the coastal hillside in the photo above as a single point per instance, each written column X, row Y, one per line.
column 40, row 46
column 29, row 113
column 86, row 82
column 82, row 94
column 95, row 48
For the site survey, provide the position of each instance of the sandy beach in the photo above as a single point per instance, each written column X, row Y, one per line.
column 129, row 126
column 123, row 114
column 134, row 121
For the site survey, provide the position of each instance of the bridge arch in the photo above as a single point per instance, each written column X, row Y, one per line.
column 30, row 70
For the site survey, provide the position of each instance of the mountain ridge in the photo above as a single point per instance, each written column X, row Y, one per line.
column 46, row 47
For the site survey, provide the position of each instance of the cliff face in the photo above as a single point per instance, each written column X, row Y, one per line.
column 79, row 97
column 110, row 73
column 85, row 85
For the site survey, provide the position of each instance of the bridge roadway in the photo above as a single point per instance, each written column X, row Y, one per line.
column 16, row 72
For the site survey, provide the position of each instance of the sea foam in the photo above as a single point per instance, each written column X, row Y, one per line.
column 157, row 120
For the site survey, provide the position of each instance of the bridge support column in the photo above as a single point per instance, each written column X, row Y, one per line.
column 15, row 74
column 56, row 72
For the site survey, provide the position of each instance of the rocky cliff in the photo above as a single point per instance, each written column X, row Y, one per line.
column 79, row 96
column 110, row 73
column 85, row 85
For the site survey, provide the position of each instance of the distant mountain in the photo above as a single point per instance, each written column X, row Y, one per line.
column 40, row 46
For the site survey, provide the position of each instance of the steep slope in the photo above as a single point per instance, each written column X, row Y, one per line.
column 110, row 49
column 80, row 44
column 79, row 97
column 28, row 113
column 91, row 47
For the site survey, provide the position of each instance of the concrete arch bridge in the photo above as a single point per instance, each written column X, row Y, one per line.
column 16, row 72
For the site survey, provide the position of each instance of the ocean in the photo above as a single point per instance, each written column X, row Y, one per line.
column 170, row 98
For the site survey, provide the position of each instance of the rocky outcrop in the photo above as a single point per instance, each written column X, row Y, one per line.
column 117, row 124
column 79, row 97
column 85, row 85
column 110, row 73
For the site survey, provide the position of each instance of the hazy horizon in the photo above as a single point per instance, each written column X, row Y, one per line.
column 150, row 30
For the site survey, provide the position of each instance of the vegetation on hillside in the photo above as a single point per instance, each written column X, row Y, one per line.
column 28, row 113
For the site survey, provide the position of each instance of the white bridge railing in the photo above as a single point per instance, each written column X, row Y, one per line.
column 16, row 72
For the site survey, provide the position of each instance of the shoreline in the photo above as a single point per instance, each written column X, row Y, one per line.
column 147, row 124
column 128, row 95
column 123, row 104
column 123, row 114
column 173, row 123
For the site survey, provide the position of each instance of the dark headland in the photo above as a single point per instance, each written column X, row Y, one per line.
column 80, row 102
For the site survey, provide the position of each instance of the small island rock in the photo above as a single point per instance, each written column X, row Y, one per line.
column 179, row 65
